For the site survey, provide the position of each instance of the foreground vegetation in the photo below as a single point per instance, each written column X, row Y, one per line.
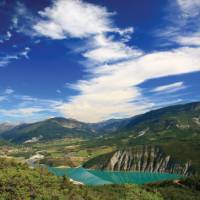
column 18, row 181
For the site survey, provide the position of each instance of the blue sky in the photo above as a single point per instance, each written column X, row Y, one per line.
column 95, row 60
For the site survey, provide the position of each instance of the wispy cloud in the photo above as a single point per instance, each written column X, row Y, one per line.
column 20, row 112
column 25, row 52
column 5, row 60
column 180, row 15
column 22, row 19
column 115, row 68
column 108, row 50
column 189, row 39
column 8, row 35
column 170, row 88
column 189, row 8
column 9, row 91
column 22, row 108
column 58, row 91
column 5, row 37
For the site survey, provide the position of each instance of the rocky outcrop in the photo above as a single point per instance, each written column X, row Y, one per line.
column 196, row 120
column 142, row 159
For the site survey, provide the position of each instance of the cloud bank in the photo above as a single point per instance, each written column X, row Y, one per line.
column 115, row 68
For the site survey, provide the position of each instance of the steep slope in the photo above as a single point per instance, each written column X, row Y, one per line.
column 110, row 126
column 178, row 118
column 5, row 127
column 182, row 118
column 141, row 159
column 49, row 129
column 175, row 129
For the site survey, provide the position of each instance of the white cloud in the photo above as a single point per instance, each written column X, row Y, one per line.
column 190, row 8
column 20, row 111
column 58, row 91
column 190, row 13
column 25, row 52
column 116, row 69
column 9, row 91
column 22, row 19
column 183, row 23
column 7, row 59
column 27, row 108
column 191, row 39
column 173, row 87
column 81, row 20
column 73, row 18
column 114, row 87
column 8, row 35
column 14, row 22
column 85, row 20
column 107, row 50
column 45, row 104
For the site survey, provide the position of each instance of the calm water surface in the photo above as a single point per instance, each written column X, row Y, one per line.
column 97, row 177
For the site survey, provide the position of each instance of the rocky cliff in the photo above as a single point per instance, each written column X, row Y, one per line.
column 142, row 159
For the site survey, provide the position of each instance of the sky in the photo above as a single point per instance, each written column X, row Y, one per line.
column 94, row 60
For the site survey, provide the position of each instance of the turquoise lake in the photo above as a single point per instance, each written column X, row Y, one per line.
column 97, row 177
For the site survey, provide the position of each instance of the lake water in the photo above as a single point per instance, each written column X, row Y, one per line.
column 97, row 177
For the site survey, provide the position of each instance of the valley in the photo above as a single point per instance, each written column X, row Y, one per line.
column 161, row 145
column 172, row 132
column 99, row 100
column 65, row 152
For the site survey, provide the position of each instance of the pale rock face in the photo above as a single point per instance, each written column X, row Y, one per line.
column 34, row 139
column 144, row 159
column 33, row 159
column 196, row 120
column 141, row 133
column 183, row 126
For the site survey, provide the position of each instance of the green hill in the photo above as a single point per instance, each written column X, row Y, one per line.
column 53, row 128
column 175, row 130
column 171, row 123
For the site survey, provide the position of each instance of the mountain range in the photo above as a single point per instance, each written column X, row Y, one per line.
column 174, row 130
column 174, row 122
column 167, row 139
